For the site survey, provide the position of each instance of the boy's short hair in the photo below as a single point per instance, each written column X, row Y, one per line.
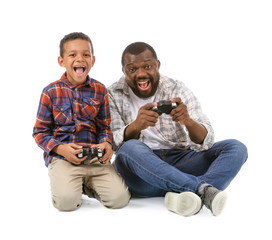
column 137, row 48
column 74, row 36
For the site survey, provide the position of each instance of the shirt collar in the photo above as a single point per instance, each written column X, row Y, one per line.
column 65, row 80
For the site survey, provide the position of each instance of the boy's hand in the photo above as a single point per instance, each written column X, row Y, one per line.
column 108, row 151
column 69, row 151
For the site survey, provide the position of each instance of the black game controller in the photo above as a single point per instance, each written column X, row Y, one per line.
column 91, row 152
column 164, row 106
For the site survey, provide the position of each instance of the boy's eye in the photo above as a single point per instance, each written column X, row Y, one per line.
column 72, row 55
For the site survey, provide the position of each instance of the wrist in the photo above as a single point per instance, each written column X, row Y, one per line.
column 189, row 123
column 132, row 132
column 133, row 127
column 57, row 149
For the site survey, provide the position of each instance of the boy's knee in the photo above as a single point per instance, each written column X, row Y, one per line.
column 118, row 199
column 67, row 202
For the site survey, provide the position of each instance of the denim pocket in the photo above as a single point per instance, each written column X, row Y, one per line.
column 62, row 114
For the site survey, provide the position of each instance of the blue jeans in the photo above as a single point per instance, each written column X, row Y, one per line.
column 153, row 173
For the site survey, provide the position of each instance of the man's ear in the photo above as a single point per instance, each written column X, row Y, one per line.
column 159, row 64
column 60, row 61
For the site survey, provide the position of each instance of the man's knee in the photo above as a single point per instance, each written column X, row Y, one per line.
column 239, row 149
column 131, row 144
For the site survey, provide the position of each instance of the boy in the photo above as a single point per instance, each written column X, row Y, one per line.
column 74, row 113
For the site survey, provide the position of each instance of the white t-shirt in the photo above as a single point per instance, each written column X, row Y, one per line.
column 152, row 138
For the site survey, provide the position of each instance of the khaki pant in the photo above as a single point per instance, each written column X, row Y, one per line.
column 98, row 180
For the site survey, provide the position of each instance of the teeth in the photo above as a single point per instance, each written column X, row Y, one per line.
column 80, row 67
column 143, row 84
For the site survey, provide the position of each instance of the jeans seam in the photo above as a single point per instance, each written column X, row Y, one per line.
column 215, row 161
column 144, row 169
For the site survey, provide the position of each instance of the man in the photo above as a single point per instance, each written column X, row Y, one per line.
column 171, row 155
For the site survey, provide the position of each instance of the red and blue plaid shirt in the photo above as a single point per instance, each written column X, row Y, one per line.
column 70, row 114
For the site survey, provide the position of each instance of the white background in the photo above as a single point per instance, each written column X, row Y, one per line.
column 222, row 50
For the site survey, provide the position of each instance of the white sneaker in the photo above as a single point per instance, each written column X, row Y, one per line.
column 184, row 204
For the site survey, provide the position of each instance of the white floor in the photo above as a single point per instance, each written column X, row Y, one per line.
column 27, row 213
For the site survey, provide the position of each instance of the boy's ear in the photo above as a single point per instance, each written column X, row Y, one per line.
column 60, row 61
column 93, row 60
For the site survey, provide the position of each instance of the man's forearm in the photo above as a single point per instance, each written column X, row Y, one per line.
column 196, row 131
column 131, row 132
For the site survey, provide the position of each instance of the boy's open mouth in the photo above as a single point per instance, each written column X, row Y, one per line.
column 79, row 70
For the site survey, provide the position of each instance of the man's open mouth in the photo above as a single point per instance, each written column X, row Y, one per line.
column 143, row 84
column 79, row 69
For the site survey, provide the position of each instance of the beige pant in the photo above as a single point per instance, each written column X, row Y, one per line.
column 99, row 180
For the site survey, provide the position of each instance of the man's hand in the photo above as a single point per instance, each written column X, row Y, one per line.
column 108, row 151
column 69, row 151
column 180, row 113
column 145, row 118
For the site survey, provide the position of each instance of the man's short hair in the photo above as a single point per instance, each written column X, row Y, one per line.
column 74, row 36
column 137, row 48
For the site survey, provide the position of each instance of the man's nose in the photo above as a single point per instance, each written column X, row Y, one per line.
column 141, row 73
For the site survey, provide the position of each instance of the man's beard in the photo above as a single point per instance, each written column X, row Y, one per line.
column 141, row 94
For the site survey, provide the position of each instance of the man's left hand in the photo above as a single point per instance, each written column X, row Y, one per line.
column 180, row 113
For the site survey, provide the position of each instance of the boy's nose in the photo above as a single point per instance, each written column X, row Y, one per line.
column 79, row 57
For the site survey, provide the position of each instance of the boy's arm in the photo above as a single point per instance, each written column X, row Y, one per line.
column 42, row 132
column 104, row 133
column 103, row 120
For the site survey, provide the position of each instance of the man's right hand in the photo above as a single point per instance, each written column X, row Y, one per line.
column 145, row 118
column 69, row 151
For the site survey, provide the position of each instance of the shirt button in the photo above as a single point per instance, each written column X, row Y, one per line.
column 206, row 147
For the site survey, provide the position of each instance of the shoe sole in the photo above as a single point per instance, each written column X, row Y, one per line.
column 184, row 204
column 218, row 203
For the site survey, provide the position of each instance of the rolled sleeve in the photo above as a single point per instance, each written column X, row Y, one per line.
column 118, row 125
column 208, row 141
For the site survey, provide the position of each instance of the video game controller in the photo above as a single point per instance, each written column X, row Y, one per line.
column 92, row 152
column 164, row 106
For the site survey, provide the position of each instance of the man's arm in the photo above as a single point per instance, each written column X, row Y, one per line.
column 180, row 114
column 145, row 118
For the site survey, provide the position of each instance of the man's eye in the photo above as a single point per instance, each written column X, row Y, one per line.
column 147, row 67
column 131, row 70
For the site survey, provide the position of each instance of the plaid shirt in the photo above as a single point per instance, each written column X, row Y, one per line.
column 175, row 134
column 69, row 114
